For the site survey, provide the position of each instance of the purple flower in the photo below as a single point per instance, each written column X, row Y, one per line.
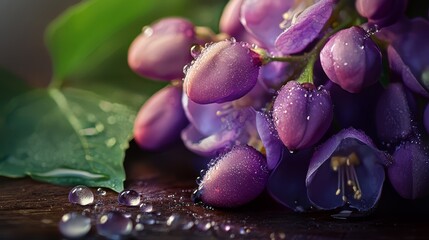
column 394, row 114
column 161, row 119
column 216, row 128
column 262, row 18
column 273, row 147
column 381, row 12
column 306, row 27
column 286, row 183
column 346, row 169
column 302, row 114
column 161, row 50
column 224, row 71
column 351, row 59
column 409, row 173
column 408, row 53
column 231, row 25
column 274, row 74
column 234, row 179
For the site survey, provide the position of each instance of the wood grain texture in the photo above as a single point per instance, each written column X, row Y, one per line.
column 32, row 210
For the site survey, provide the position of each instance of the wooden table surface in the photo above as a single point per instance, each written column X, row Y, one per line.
column 32, row 210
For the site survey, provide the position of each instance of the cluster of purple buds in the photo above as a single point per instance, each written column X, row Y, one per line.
column 317, row 102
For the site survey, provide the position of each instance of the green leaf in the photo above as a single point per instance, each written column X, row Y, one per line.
column 89, row 43
column 77, row 34
column 69, row 137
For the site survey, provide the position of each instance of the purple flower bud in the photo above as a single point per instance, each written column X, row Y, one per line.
column 224, row 71
column 393, row 114
column 161, row 51
column 306, row 28
column 426, row 118
column 302, row 114
column 161, row 119
column 263, row 18
column 351, row 59
column 234, row 179
column 270, row 139
column 346, row 169
column 286, row 183
column 409, row 173
column 408, row 53
column 381, row 12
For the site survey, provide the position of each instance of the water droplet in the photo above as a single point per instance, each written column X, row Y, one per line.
column 188, row 225
column 196, row 50
column 204, row 225
column 81, row 195
column 233, row 40
column 105, row 106
column 74, row 225
column 114, row 225
column 186, row 68
column 244, row 230
column 99, row 127
column 101, row 192
column 146, row 207
column 174, row 221
column 129, row 198
column 110, row 142
column 147, row 31
column 196, row 195
column 308, row 117
column 139, row 227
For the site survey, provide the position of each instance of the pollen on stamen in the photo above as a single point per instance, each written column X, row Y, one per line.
column 345, row 168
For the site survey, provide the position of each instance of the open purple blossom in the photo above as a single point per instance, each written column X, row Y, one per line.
column 273, row 147
column 305, row 28
column 224, row 71
column 162, row 49
column 394, row 118
column 381, row 12
column 234, row 179
column 408, row 52
column 263, row 18
column 409, row 173
column 161, row 119
column 286, row 183
column 302, row 114
column 346, row 169
column 215, row 128
column 351, row 59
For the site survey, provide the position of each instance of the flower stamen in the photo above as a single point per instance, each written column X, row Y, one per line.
column 345, row 166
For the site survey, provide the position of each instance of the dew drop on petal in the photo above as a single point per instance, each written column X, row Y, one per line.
column 81, row 195
column 196, row 50
column 74, row 225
